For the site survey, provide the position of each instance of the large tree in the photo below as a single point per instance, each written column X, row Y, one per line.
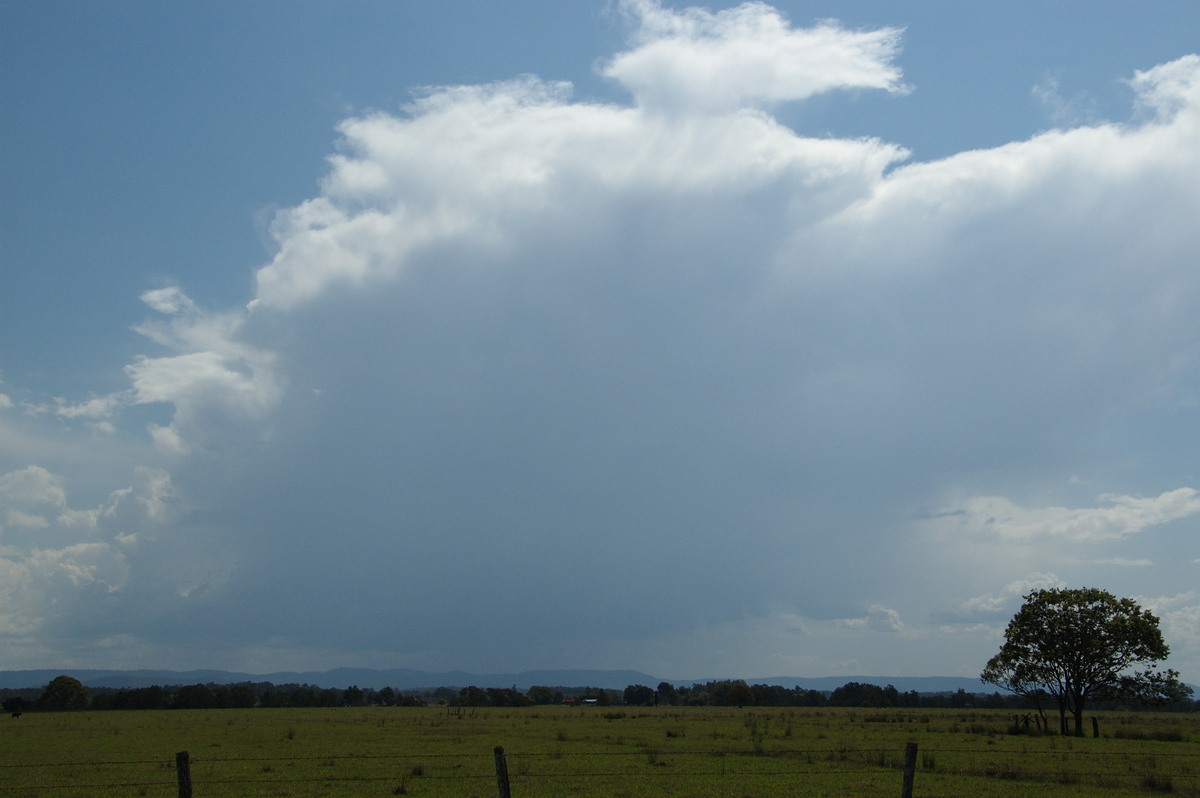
column 1083, row 644
column 64, row 693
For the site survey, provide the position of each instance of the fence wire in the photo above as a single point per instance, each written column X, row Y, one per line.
column 538, row 766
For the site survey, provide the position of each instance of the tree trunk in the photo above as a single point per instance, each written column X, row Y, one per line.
column 1077, row 711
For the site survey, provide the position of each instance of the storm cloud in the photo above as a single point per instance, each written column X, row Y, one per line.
column 534, row 380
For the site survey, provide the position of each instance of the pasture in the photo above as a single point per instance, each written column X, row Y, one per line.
column 445, row 752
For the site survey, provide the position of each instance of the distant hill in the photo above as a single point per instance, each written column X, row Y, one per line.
column 408, row 679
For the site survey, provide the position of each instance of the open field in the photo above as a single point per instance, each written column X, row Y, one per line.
column 590, row 751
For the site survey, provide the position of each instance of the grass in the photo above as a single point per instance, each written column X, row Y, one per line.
column 591, row 751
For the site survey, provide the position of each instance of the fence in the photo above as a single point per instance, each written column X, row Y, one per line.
column 602, row 768
column 859, row 770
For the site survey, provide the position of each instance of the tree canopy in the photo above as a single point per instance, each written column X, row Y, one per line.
column 64, row 693
column 1083, row 644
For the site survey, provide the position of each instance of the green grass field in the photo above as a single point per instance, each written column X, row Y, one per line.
column 591, row 751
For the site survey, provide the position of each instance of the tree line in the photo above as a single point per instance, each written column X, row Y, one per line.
column 65, row 693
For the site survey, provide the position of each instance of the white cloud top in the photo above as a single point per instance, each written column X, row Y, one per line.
column 696, row 60
column 1170, row 89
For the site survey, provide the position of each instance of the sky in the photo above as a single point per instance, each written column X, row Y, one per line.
column 734, row 341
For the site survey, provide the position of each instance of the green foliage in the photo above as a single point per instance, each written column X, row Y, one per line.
column 854, row 694
column 639, row 695
column 542, row 695
column 62, row 694
column 491, row 697
column 353, row 696
column 1074, row 646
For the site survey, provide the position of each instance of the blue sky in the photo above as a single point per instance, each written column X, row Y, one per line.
column 737, row 340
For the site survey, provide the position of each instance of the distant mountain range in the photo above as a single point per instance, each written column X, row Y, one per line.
column 407, row 679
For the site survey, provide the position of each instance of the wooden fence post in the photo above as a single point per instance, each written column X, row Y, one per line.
column 183, row 770
column 502, row 773
column 910, row 769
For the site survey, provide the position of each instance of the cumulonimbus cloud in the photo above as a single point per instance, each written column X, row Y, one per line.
column 556, row 339
column 578, row 294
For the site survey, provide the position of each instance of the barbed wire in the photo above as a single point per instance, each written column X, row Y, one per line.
column 121, row 785
column 639, row 753
column 867, row 759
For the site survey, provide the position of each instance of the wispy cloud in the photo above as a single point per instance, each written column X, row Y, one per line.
column 212, row 378
column 1078, row 109
column 996, row 516
column 1008, row 598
